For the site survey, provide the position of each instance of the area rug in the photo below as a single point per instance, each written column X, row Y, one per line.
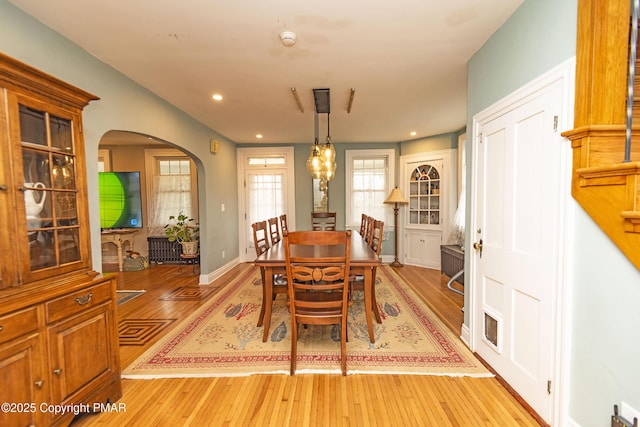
column 127, row 295
column 221, row 338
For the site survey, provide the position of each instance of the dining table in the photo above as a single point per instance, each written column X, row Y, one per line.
column 363, row 259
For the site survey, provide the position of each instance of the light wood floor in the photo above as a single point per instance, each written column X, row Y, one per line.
column 302, row 400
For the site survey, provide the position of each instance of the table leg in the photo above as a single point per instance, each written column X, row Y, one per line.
column 368, row 298
column 374, row 303
column 118, row 243
column 264, row 299
column 268, row 292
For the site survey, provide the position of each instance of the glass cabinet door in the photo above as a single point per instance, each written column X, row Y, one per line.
column 424, row 195
column 50, row 192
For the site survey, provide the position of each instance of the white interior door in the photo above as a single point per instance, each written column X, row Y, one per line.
column 515, row 220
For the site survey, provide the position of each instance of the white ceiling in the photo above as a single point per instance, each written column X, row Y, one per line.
column 406, row 60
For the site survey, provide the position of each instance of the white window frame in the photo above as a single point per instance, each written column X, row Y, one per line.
column 151, row 157
column 104, row 160
column 350, row 155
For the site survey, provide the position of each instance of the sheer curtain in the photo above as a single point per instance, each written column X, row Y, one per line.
column 172, row 195
column 368, row 189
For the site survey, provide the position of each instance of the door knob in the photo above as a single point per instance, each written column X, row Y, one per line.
column 478, row 247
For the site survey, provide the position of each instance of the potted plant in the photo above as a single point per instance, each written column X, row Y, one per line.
column 181, row 229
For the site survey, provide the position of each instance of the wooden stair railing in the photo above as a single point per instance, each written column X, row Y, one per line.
column 607, row 187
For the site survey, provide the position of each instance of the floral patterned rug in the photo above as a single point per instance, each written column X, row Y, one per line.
column 221, row 338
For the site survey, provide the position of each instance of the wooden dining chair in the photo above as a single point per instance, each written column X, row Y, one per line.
column 261, row 243
column 274, row 231
column 364, row 225
column 323, row 221
column 283, row 223
column 318, row 280
column 356, row 279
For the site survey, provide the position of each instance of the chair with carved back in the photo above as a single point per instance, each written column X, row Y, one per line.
column 261, row 243
column 356, row 279
column 323, row 221
column 318, row 279
column 274, row 231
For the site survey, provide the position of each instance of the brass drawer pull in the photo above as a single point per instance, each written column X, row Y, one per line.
column 3, row 187
column 83, row 300
column 57, row 371
column 1, row 328
column 39, row 383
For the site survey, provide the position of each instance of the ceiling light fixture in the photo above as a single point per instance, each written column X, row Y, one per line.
column 217, row 97
column 321, row 163
column 259, row 136
column 288, row 38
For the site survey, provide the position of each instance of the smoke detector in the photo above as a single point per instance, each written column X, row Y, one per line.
column 288, row 38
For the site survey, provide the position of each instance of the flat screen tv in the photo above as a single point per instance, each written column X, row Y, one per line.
column 120, row 200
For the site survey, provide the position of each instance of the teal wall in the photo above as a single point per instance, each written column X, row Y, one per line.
column 605, row 320
column 604, row 288
column 124, row 105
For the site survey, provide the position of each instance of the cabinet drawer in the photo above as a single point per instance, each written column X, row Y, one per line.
column 76, row 302
column 18, row 323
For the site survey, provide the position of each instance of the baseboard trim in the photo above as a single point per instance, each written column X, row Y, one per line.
column 465, row 335
column 208, row 278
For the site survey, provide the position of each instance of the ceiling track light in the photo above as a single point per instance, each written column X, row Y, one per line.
column 294, row 92
column 353, row 93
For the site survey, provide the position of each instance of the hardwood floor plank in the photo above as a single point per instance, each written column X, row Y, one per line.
column 301, row 400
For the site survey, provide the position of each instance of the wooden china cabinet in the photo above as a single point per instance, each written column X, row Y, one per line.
column 58, row 334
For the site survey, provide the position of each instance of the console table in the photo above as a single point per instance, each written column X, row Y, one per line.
column 118, row 238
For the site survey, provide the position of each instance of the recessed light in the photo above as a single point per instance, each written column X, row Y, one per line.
column 259, row 136
column 217, row 97
column 413, row 133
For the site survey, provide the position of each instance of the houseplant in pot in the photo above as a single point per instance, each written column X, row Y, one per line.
column 182, row 229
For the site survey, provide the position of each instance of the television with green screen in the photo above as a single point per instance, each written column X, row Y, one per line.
column 120, row 200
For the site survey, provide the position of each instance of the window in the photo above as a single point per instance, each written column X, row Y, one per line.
column 369, row 181
column 171, row 187
column 104, row 160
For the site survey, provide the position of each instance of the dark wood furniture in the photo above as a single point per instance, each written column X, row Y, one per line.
column 58, row 332
column 364, row 225
column 374, row 241
column 318, row 271
column 261, row 243
column 274, row 231
column 323, row 221
column 283, row 223
column 273, row 260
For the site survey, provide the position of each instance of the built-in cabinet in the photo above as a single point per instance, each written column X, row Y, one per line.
column 58, row 335
column 428, row 182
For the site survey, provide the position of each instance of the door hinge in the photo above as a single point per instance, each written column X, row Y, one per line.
column 549, row 387
column 480, row 137
column 555, row 123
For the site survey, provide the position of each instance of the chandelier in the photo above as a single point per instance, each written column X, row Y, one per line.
column 321, row 163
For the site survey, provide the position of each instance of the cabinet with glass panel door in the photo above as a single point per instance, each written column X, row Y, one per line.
column 425, row 216
column 424, row 195
column 54, row 309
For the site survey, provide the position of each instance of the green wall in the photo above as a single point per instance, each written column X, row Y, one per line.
column 124, row 105
column 604, row 289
